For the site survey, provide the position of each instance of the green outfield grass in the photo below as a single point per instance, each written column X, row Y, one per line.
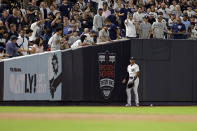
column 98, row 125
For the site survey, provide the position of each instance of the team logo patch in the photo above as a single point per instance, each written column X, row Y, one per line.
column 106, row 72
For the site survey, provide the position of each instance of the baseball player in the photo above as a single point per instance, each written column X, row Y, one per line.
column 133, row 81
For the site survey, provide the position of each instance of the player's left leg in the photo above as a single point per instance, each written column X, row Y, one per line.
column 135, row 89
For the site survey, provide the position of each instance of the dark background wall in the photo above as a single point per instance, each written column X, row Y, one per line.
column 168, row 71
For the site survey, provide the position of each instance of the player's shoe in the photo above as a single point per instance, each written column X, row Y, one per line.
column 127, row 105
column 137, row 104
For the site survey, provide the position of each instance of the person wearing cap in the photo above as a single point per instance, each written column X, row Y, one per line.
column 103, row 35
column 11, row 47
column 159, row 28
column 98, row 21
column 187, row 24
column 160, row 14
column 145, row 29
column 171, row 20
column 132, row 78
column 130, row 27
column 124, row 12
column 90, row 37
column 151, row 19
column 190, row 12
column 114, row 31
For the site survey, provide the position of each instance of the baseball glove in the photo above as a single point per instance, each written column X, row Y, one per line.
column 130, row 85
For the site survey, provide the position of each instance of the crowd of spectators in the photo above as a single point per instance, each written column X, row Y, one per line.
column 48, row 25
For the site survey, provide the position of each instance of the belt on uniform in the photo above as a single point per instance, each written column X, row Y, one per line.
column 131, row 77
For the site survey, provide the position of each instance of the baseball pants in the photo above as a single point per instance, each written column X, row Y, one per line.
column 135, row 89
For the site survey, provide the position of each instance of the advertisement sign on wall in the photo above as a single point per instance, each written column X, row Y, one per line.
column 36, row 77
column 107, row 62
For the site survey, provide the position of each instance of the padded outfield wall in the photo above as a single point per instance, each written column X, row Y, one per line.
column 168, row 72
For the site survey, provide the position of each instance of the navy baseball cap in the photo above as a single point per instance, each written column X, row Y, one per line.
column 132, row 58
column 13, row 37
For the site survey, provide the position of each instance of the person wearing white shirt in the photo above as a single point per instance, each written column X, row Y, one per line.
column 22, row 42
column 98, row 21
column 100, row 3
column 36, row 29
column 130, row 27
column 133, row 81
column 138, row 16
column 56, row 40
column 80, row 42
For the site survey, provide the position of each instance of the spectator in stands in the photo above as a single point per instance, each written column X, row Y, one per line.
column 57, row 22
column 32, row 11
column 44, row 10
column 104, row 35
column 139, row 15
column 38, row 47
column 3, row 40
column 145, row 29
column 187, row 24
column 158, row 28
column 81, row 42
column 173, row 6
column 106, row 12
column 171, row 20
column 164, row 10
column 22, row 42
column 114, row 31
column 178, row 29
column 13, row 19
column 53, row 9
column 12, row 31
column 193, row 33
column 124, row 12
column 73, row 38
column 86, row 22
column 11, row 47
column 4, row 16
column 82, row 4
column 56, row 40
column 190, row 12
column 114, row 18
column 130, row 26
column 65, row 9
column 151, row 19
column 2, row 54
column 98, row 21
column 66, row 25
column 36, row 27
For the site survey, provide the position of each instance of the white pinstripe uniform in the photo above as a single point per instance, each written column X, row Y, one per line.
column 132, row 70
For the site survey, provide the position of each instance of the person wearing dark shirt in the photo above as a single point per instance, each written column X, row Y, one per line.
column 124, row 12
column 64, row 9
column 86, row 22
column 13, row 19
column 12, row 31
column 178, row 29
column 11, row 47
column 151, row 19
column 113, row 30
column 114, row 18
column 4, row 16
